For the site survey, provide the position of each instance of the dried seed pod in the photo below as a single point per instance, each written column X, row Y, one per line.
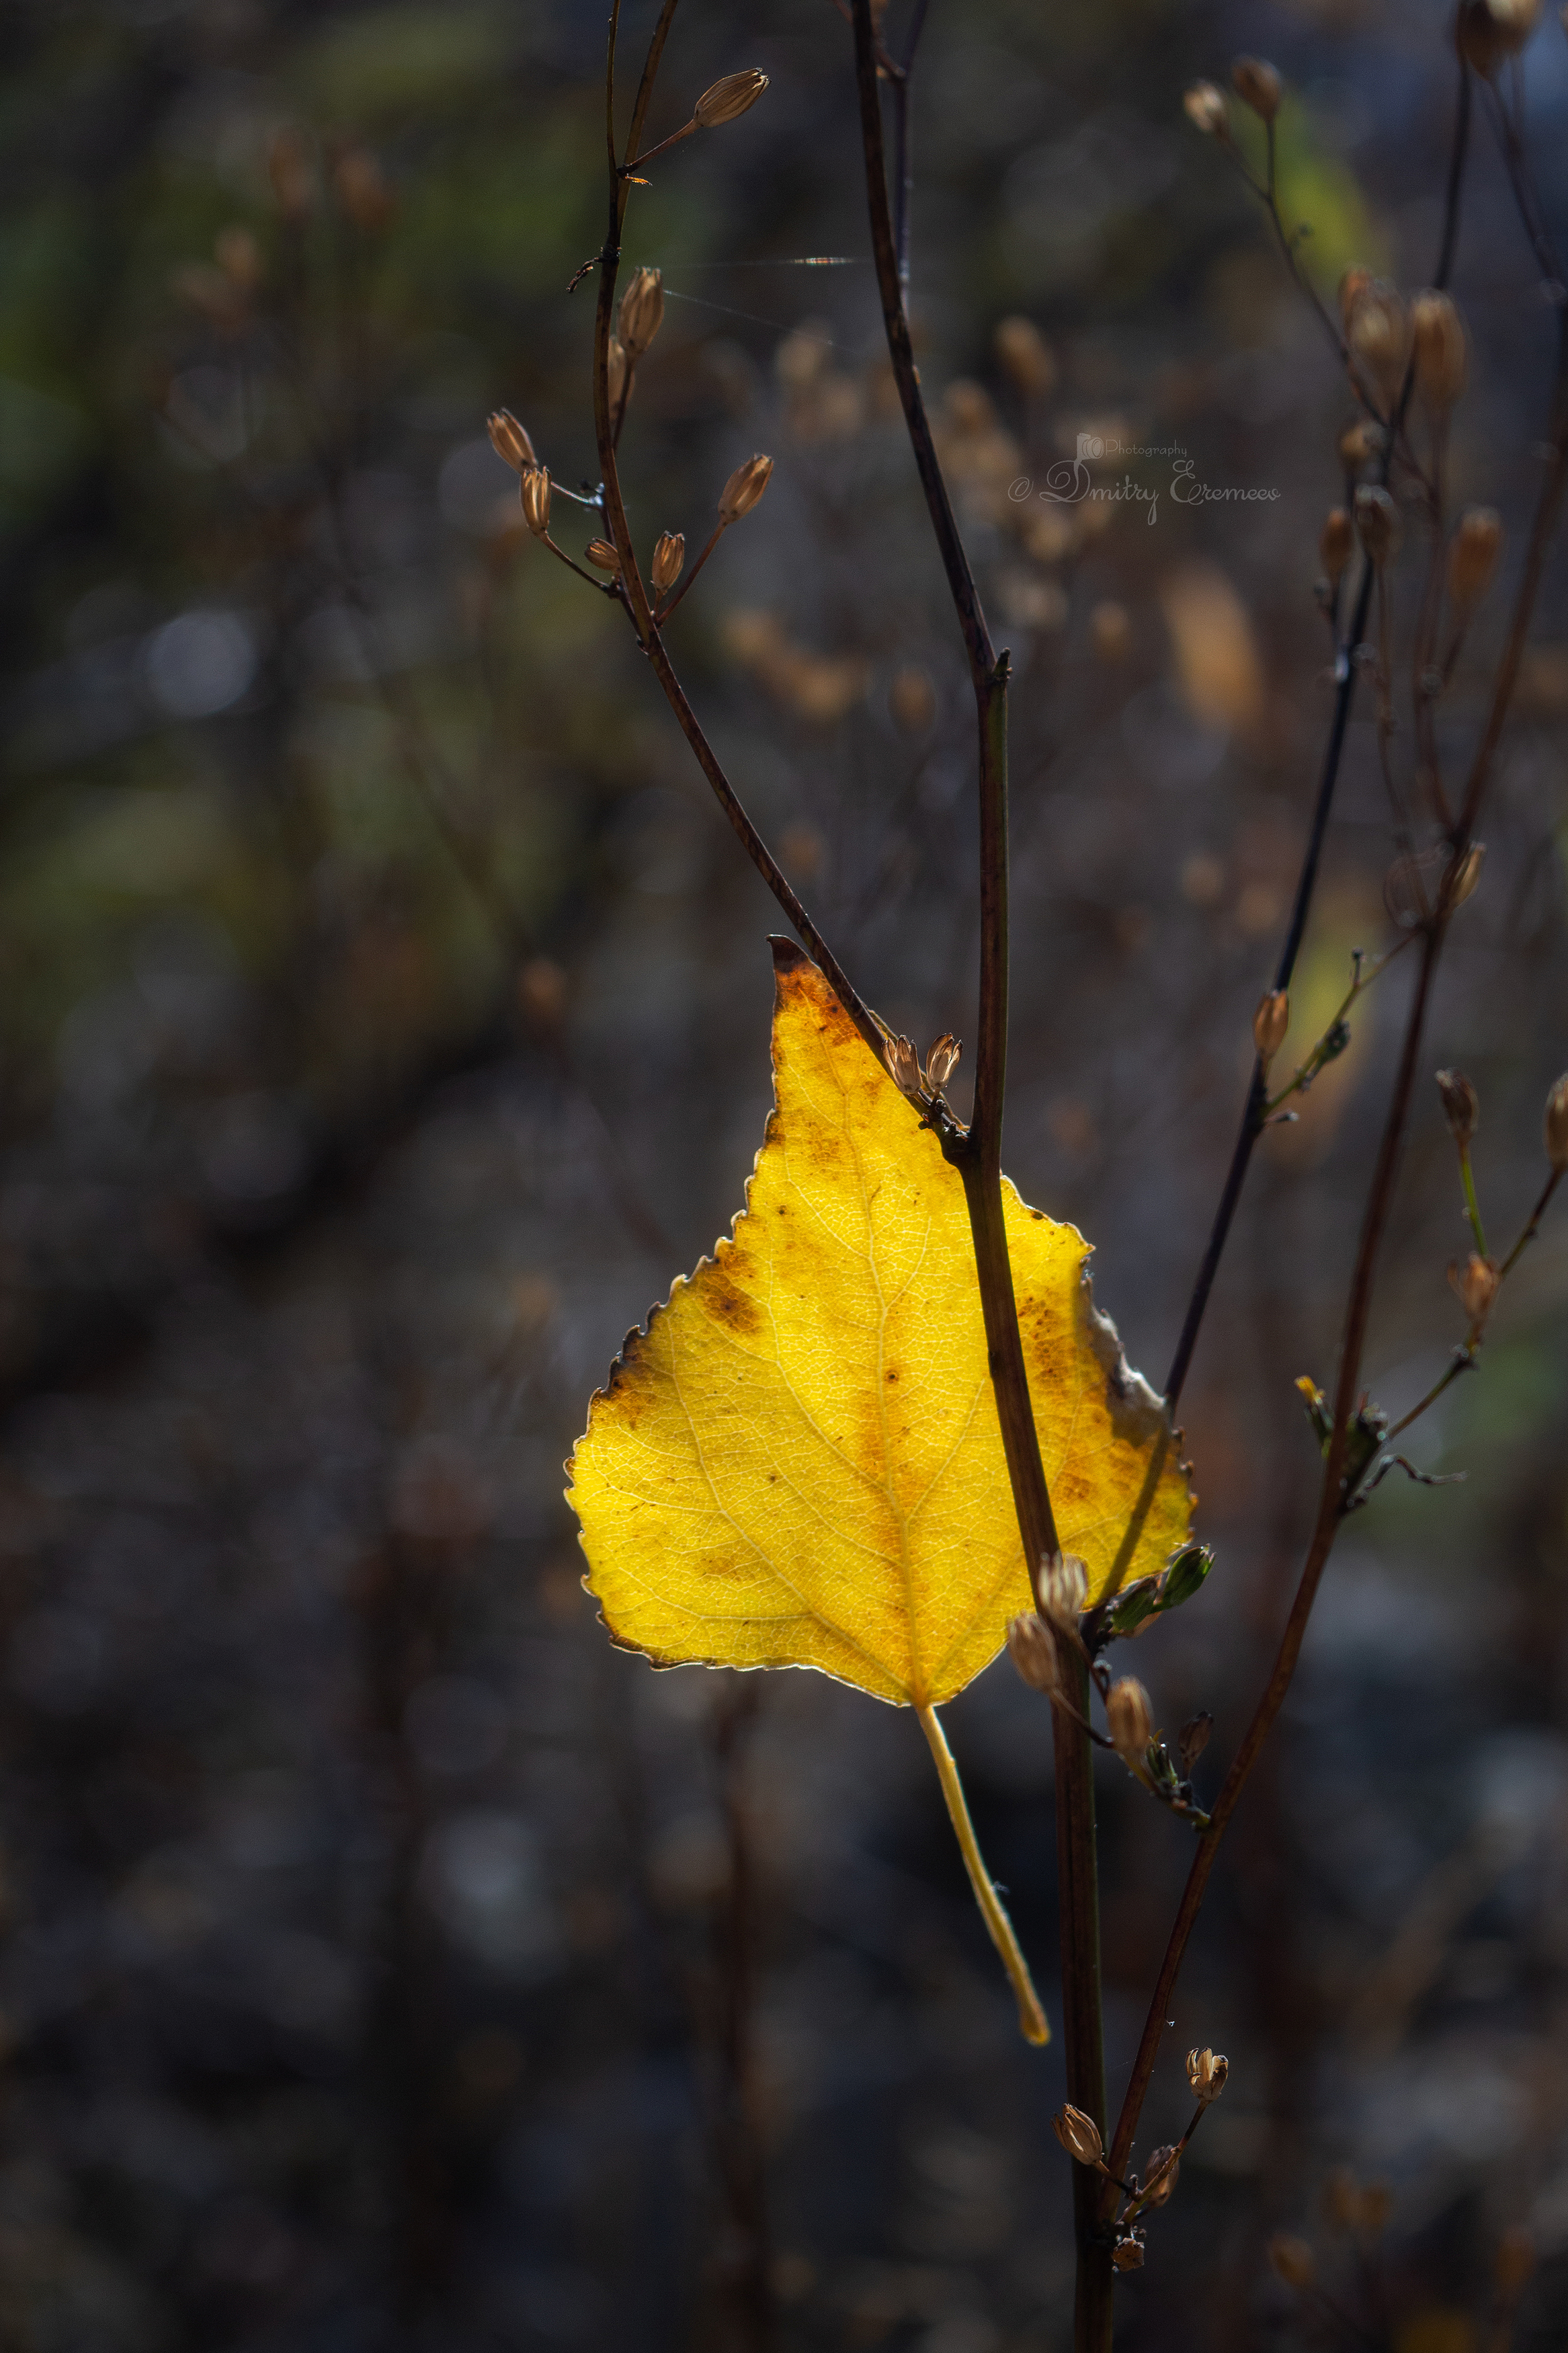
column 510, row 441
column 1206, row 2073
column 1164, row 2164
column 1490, row 32
column 744, row 488
column 1377, row 521
column 1466, row 874
column 1473, row 554
column 1031, row 1646
column 734, row 95
column 239, row 257
column 1377, row 330
column 1128, row 1719
column 289, row 169
column 1475, row 1285
column 1194, row 1738
column 1257, row 86
column 1439, row 336
column 1554, row 1125
column 904, row 1065
column 1353, row 286
column 1206, row 110
column 641, row 311
column 1079, row 2135
column 361, row 187
column 1128, row 2254
column 668, row 556
column 603, row 556
column 1292, row 2260
column 1269, row 1024
column 535, row 489
column 1360, row 443
column 1024, row 353
column 1336, row 547
column 1064, row 1587
column 942, row 1060
column 1461, row 1106
column 619, row 373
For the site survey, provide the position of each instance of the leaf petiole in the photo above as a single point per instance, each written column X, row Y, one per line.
column 1031, row 2015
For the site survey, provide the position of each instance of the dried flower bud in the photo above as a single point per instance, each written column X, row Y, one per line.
column 601, row 555
column 1475, row 1285
column 239, row 257
column 733, row 96
column 1079, row 2135
column 361, row 190
column 1025, row 355
column 1269, row 1024
column 536, row 499
column 1555, row 1127
column 904, row 1064
column 1292, row 2260
column 1160, row 2179
column 1360, row 443
column 1206, row 2073
column 1377, row 521
column 1514, row 2259
column 1194, row 1738
column 288, row 168
column 744, row 488
column 1473, row 554
column 510, row 442
column 1377, row 330
column 1128, row 1719
column 1439, row 340
column 1461, row 1106
column 1128, row 2254
column 1257, row 86
column 1032, row 1649
column 1355, row 282
column 668, row 556
column 1064, row 1587
column 1466, row 874
column 642, row 309
column 617, row 374
column 942, row 1060
column 1206, row 109
column 1336, row 547
column 1490, row 32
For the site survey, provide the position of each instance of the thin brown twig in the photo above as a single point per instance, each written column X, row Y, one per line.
column 1331, row 1499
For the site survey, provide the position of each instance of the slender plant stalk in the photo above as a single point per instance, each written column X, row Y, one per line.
column 1254, row 1111
column 979, row 1159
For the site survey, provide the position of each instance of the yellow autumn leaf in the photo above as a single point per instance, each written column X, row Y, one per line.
column 798, row 1463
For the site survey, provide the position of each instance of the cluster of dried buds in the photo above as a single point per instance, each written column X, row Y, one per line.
column 1080, row 2137
column 923, row 1086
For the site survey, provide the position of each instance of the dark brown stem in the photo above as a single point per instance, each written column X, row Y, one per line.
column 978, row 1157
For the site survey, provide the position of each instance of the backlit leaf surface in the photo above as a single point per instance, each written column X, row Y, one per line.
column 798, row 1463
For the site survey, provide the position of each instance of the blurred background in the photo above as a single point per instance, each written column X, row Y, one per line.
column 383, row 1019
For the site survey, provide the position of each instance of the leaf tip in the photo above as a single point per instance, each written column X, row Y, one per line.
column 788, row 956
